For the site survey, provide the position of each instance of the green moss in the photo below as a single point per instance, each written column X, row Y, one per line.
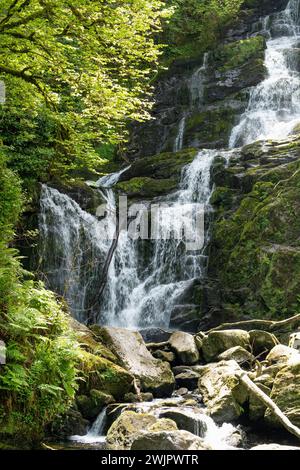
column 212, row 125
column 258, row 246
column 237, row 53
column 147, row 187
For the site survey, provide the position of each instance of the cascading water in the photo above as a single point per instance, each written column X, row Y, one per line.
column 143, row 293
column 274, row 105
column 134, row 299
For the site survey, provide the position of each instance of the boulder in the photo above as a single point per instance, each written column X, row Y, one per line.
column 187, row 379
column 216, row 342
column 262, row 341
column 238, row 354
column 167, row 356
column 256, row 408
column 222, row 392
column 134, row 397
column 185, row 348
column 91, row 406
column 286, row 393
column 187, row 421
column 72, row 423
column 280, row 354
column 104, row 375
column 168, row 440
column 154, row 376
column 122, row 432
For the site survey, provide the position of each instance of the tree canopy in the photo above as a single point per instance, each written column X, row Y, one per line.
column 81, row 68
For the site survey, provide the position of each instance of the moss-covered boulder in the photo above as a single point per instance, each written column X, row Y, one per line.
column 223, row 394
column 168, row 441
column 145, row 187
column 286, row 393
column 255, row 236
column 90, row 406
column 129, row 424
column 105, row 376
column 153, row 375
column 216, row 342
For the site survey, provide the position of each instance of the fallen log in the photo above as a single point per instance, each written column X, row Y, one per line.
column 269, row 403
column 271, row 326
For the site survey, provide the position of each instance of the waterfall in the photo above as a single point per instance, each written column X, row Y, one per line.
column 274, row 105
column 72, row 249
column 147, row 279
column 140, row 299
column 96, row 433
column 178, row 144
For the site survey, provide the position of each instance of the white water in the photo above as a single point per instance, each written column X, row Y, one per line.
column 274, row 105
column 142, row 290
column 136, row 299
column 96, row 433
column 178, row 144
column 72, row 248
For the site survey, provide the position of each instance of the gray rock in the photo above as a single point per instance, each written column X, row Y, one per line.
column 129, row 424
column 167, row 356
column 185, row 348
column 188, row 379
column 216, row 342
column 69, row 424
column 238, row 354
column 155, row 376
column 187, row 421
column 280, row 354
column 222, row 392
column 134, row 398
column 168, row 440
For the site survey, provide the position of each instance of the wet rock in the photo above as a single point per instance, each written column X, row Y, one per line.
column 256, row 408
column 243, row 357
column 280, row 354
column 268, row 375
column 167, row 356
column 188, row 421
column 262, row 341
column 104, row 375
column 123, row 431
column 180, row 392
column 286, row 392
column 134, row 398
column 222, row 392
column 72, row 423
column 184, row 346
column 172, row 440
column 90, row 406
column 155, row 376
column 217, row 342
column 155, row 335
column 188, row 379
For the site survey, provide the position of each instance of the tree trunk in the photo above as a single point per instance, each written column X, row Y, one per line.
column 266, row 400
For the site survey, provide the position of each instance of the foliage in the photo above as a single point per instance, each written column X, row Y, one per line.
column 75, row 75
column 39, row 379
column 196, row 25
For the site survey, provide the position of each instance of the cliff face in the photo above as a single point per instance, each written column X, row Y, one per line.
column 205, row 95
